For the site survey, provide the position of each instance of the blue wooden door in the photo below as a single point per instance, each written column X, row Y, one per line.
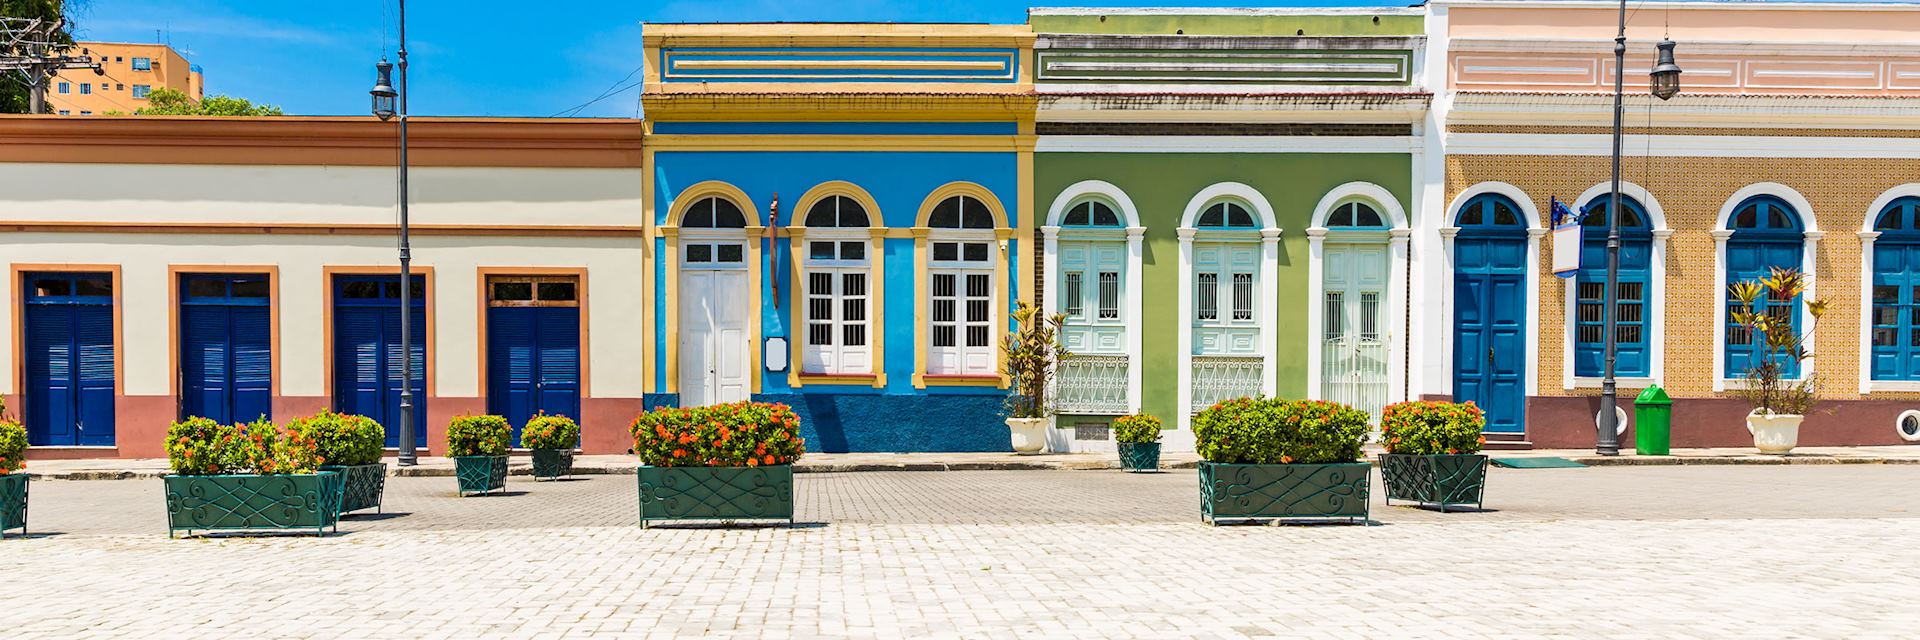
column 1489, row 319
column 367, row 361
column 69, row 359
column 533, row 348
column 226, row 348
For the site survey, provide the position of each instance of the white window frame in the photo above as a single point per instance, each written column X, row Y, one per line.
column 960, row 268
column 1809, row 267
column 1268, row 235
column 1398, row 234
column 831, row 359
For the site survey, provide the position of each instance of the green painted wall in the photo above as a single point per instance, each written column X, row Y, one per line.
column 1160, row 186
column 1227, row 25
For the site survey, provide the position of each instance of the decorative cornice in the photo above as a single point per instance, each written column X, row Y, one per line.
column 299, row 140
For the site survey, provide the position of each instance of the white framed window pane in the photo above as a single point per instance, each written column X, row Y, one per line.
column 946, row 251
column 1206, row 289
column 1336, row 315
column 1243, row 296
column 977, row 252
column 820, row 250
column 1369, row 315
column 1109, row 295
column 1073, row 294
column 853, row 250
column 732, row 253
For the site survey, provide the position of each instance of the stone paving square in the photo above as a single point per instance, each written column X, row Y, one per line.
column 1707, row 552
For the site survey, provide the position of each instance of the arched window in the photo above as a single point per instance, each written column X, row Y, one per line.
column 1896, row 292
column 1226, row 214
column 837, row 275
column 1356, row 215
column 962, row 299
column 1631, row 337
column 1767, row 234
column 1091, row 213
column 713, row 212
column 1489, row 211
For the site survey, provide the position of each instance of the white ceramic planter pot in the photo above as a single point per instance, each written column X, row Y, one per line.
column 1029, row 435
column 1774, row 433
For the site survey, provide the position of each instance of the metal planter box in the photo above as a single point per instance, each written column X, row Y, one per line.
column 716, row 493
column 1139, row 456
column 13, row 503
column 1336, row 491
column 1442, row 481
column 551, row 464
column 365, row 485
column 480, row 474
column 247, row 502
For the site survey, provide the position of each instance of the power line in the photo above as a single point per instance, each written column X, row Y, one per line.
column 610, row 92
column 29, row 53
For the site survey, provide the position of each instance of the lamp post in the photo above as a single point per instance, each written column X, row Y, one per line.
column 1664, row 82
column 383, row 106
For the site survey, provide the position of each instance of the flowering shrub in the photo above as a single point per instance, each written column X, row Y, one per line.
column 550, row 432
column 343, row 438
column 13, row 447
column 478, row 436
column 740, row 434
column 1432, row 428
column 199, row 446
column 1136, row 428
column 1275, row 431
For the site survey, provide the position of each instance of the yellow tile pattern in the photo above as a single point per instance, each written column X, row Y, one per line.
column 1692, row 191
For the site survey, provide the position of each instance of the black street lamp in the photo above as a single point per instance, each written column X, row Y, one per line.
column 1664, row 82
column 383, row 106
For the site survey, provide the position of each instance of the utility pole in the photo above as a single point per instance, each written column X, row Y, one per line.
column 26, row 48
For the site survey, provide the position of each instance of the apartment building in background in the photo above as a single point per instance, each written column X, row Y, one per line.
column 132, row 72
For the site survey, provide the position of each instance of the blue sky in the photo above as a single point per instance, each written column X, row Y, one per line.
column 478, row 57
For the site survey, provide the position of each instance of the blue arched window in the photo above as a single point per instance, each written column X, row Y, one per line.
column 1896, row 291
column 1631, row 291
column 1767, row 233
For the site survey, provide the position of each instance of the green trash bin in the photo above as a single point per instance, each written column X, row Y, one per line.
column 1652, row 422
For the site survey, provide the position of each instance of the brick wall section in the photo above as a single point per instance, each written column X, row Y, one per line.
column 1692, row 191
column 1217, row 129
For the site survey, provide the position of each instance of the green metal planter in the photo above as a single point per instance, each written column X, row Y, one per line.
column 1336, row 491
column 365, row 485
column 551, row 464
column 1140, row 456
column 253, row 502
column 716, row 493
column 13, row 503
column 480, row 474
column 1444, row 481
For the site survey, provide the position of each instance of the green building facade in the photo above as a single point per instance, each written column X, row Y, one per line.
column 1223, row 199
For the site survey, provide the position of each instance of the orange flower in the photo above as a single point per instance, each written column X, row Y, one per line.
column 753, row 462
column 1286, row 459
column 679, row 453
column 761, row 449
column 769, row 459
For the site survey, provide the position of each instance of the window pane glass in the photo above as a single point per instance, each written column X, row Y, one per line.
column 851, row 213
column 822, row 213
column 557, row 291
column 1886, row 293
column 1342, row 216
column 1206, row 289
column 699, row 253
column 820, row 250
column 252, row 288
column 1238, row 217
column 1073, row 294
column 1079, row 215
column 206, row 288
column 1214, row 216
column 1886, row 337
column 1243, row 296
column 946, row 251
column 52, row 287
column 1109, row 295
column 93, row 286
column 946, row 215
column 1470, row 217
column 512, row 291
column 360, row 289
column 1369, row 312
column 1336, row 315
column 976, row 252
column 853, row 250
column 727, row 215
column 1503, row 215
column 1104, row 216
column 1367, row 217
column 1747, row 218
column 732, row 253
column 1886, row 315
column 700, row 215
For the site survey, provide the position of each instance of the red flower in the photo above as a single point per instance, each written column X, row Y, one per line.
column 679, row 453
column 769, row 459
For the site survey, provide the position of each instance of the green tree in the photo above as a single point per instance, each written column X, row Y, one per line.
column 168, row 102
column 13, row 84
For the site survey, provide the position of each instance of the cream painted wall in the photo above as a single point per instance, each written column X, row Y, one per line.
column 614, row 297
column 318, row 194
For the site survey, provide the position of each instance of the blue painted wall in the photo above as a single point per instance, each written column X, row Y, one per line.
column 852, row 418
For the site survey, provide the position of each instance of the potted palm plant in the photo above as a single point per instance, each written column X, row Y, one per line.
column 1433, row 454
column 247, row 477
column 1779, row 403
column 478, row 446
column 350, row 445
column 13, row 474
column 725, row 462
column 1138, row 438
column 1266, row 458
column 552, row 439
column 1032, row 351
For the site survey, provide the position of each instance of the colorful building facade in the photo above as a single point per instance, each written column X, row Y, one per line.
column 129, row 72
column 1346, row 204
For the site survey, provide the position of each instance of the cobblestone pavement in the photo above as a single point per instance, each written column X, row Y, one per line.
column 1669, row 552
